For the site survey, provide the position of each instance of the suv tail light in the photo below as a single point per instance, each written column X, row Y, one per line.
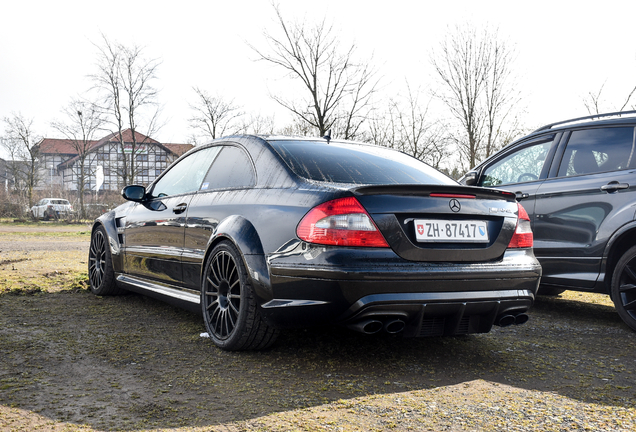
column 522, row 238
column 341, row 222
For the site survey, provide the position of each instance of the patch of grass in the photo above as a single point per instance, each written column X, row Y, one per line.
column 83, row 234
column 77, row 362
column 32, row 272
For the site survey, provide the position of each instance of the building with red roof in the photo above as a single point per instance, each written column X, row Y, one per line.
column 61, row 160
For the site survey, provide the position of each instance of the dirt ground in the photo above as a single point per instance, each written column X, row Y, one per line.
column 73, row 361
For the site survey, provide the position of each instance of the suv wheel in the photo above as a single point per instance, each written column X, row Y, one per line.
column 624, row 287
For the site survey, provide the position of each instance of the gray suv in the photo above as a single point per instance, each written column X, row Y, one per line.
column 577, row 181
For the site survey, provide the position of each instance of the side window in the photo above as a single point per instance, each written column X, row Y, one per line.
column 187, row 175
column 521, row 166
column 232, row 169
column 597, row 150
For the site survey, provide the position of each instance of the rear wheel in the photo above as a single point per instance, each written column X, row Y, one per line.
column 100, row 265
column 624, row 287
column 230, row 312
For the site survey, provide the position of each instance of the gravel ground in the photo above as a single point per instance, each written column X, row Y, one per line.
column 73, row 361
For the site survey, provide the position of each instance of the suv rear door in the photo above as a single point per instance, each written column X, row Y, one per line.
column 590, row 193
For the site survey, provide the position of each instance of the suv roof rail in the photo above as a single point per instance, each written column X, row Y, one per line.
column 590, row 117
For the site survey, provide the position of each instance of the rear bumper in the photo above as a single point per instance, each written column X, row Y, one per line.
column 445, row 298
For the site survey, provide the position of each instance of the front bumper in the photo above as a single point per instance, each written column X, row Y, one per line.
column 429, row 299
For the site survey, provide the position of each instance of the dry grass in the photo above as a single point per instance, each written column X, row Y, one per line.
column 72, row 361
column 44, row 262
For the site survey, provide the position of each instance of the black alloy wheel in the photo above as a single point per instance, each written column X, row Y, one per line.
column 100, row 266
column 624, row 287
column 230, row 312
column 223, row 294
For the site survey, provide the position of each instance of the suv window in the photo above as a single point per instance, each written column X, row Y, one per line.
column 598, row 150
column 231, row 169
column 187, row 175
column 523, row 165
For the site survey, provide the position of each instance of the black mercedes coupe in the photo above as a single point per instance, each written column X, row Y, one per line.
column 264, row 233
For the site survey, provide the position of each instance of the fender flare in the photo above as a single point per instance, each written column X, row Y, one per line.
column 242, row 233
column 610, row 249
column 107, row 221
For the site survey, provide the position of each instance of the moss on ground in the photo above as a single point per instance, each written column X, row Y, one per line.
column 72, row 361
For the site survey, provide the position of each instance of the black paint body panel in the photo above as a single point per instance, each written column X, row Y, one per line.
column 160, row 245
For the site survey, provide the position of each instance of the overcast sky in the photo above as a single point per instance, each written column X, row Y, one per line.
column 564, row 49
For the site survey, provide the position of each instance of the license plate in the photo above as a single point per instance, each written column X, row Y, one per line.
column 439, row 230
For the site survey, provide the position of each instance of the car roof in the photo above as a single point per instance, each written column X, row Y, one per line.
column 620, row 117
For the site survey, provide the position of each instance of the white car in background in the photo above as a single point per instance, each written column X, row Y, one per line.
column 51, row 208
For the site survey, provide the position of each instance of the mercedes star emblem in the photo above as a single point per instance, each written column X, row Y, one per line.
column 454, row 205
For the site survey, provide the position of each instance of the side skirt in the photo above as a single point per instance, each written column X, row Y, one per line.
column 183, row 298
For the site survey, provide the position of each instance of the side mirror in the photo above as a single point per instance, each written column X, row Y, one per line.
column 134, row 193
column 469, row 179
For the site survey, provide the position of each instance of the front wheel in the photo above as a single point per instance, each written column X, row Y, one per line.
column 231, row 315
column 624, row 287
column 100, row 265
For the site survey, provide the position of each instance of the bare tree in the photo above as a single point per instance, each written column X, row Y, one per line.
column 258, row 124
column 593, row 102
column 22, row 145
column 297, row 127
column 214, row 116
column 407, row 126
column 337, row 89
column 383, row 127
column 475, row 70
column 82, row 122
column 124, row 79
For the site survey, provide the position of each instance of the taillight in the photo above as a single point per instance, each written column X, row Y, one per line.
column 341, row 222
column 522, row 238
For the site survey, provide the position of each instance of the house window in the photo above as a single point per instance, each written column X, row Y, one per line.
column 158, row 172
column 142, row 157
column 121, row 156
column 144, row 172
column 102, row 156
column 161, row 157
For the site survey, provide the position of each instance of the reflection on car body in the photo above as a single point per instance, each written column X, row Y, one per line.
column 264, row 233
column 577, row 180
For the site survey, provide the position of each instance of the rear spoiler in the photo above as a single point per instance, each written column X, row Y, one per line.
column 439, row 190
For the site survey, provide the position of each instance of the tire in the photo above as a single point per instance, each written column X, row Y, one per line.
column 100, row 265
column 623, row 288
column 230, row 312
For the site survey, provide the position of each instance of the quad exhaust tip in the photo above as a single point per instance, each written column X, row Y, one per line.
column 508, row 319
column 396, row 325
column 372, row 326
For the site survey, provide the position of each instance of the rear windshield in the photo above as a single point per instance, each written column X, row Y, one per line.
column 356, row 163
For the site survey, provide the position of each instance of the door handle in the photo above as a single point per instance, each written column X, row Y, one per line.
column 521, row 195
column 180, row 208
column 614, row 186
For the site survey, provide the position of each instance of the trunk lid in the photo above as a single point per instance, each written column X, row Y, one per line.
column 442, row 223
